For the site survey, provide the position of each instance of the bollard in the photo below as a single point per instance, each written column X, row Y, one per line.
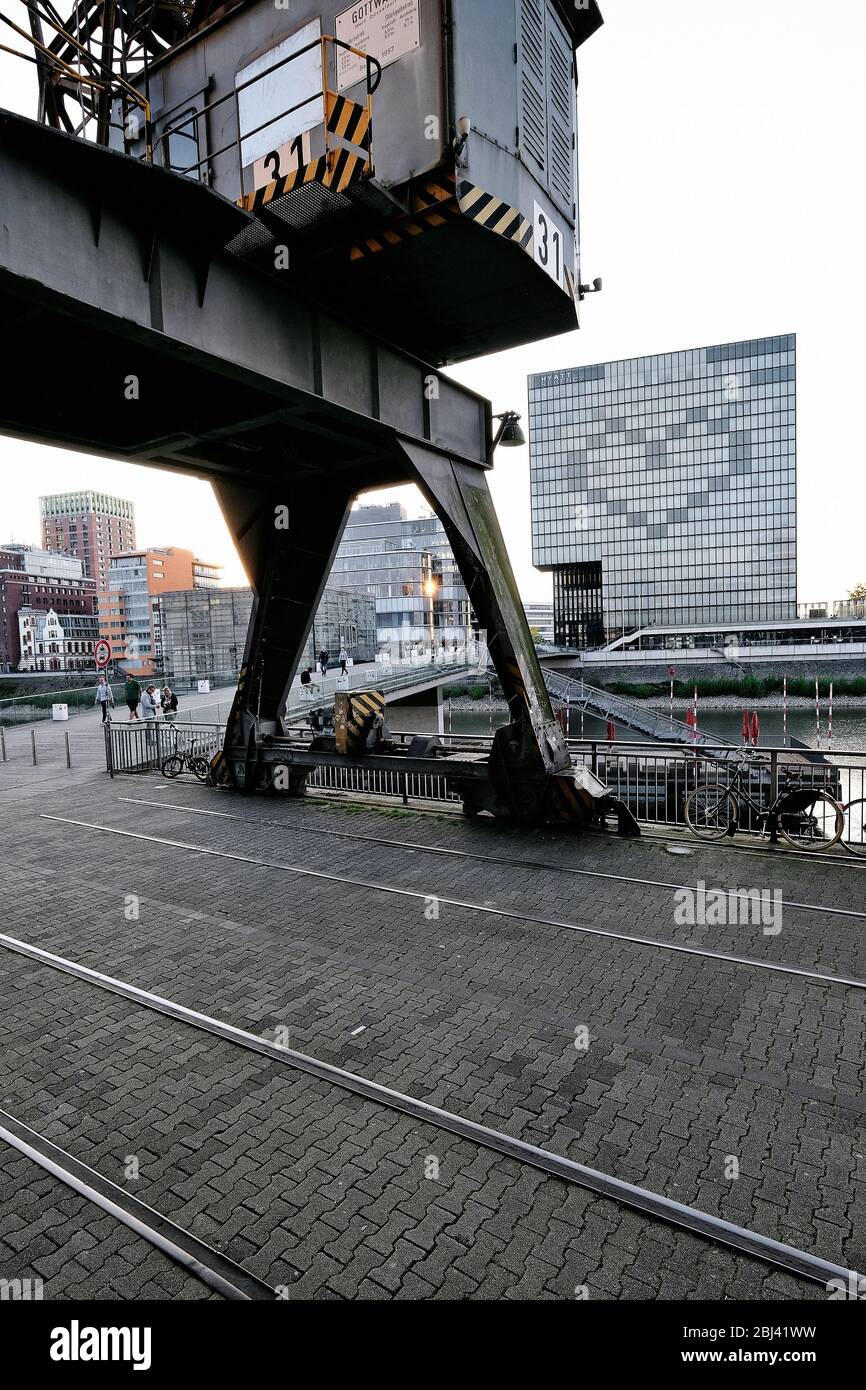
column 68, row 750
column 2, row 743
column 33, row 744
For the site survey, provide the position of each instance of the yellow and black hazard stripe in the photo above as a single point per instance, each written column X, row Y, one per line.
column 570, row 802
column 348, row 120
column 434, row 203
column 335, row 171
column 494, row 214
column 431, row 193
column 362, row 708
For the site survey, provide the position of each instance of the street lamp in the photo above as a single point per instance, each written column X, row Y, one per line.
column 509, row 433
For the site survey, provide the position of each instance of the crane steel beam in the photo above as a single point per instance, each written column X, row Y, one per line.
column 165, row 349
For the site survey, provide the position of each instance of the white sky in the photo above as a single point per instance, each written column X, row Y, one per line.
column 721, row 188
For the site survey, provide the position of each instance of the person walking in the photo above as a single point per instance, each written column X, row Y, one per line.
column 344, row 662
column 323, row 661
column 169, row 702
column 132, row 695
column 104, row 698
column 148, row 714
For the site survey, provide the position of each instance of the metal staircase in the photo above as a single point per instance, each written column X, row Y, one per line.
column 576, row 694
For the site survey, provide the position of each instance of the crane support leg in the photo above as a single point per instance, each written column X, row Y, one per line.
column 530, row 777
column 287, row 533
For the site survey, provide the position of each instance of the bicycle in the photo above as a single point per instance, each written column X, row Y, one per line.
column 855, row 813
column 179, row 760
column 809, row 818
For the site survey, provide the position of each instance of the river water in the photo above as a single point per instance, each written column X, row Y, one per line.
column 849, row 725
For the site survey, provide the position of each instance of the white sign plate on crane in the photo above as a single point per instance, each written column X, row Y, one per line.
column 285, row 102
column 548, row 245
column 386, row 29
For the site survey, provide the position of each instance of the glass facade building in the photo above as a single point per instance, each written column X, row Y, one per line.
column 664, row 489
column 204, row 631
column 407, row 564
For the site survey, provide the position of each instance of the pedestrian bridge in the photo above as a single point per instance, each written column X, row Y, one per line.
column 397, row 679
column 576, row 694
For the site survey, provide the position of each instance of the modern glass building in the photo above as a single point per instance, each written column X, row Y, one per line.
column 664, row 489
column 407, row 564
column 204, row 631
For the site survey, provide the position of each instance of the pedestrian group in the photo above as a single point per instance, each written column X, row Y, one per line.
column 151, row 701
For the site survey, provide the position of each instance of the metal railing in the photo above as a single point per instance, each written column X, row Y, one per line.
column 144, row 745
column 26, row 709
column 653, row 779
column 846, row 649
column 400, row 676
column 373, row 78
column 98, row 80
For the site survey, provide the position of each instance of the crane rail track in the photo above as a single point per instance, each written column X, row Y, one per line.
column 417, row 847
column 677, row 833
column 730, row 958
column 801, row 1263
column 194, row 1255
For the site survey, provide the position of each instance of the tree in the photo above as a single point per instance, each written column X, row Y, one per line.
column 858, row 593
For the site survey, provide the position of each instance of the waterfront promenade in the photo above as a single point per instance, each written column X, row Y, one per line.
column 538, row 984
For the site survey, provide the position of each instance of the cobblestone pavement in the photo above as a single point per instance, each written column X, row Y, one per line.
column 691, row 1061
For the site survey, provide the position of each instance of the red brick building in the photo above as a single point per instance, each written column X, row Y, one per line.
column 35, row 578
column 92, row 526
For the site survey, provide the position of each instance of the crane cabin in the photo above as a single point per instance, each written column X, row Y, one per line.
column 410, row 164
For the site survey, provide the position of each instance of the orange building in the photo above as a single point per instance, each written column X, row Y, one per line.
column 129, row 610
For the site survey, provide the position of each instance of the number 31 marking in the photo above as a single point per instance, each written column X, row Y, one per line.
column 548, row 245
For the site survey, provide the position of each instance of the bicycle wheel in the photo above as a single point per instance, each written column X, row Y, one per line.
column 710, row 811
column 172, row 765
column 201, row 767
column 855, row 827
column 816, row 824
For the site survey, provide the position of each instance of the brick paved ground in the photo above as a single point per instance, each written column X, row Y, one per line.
column 690, row 1060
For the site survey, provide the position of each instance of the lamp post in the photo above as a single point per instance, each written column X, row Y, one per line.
column 431, row 589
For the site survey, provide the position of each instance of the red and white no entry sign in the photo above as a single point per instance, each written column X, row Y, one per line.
column 102, row 653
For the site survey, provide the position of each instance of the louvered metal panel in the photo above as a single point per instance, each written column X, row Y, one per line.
column 560, row 86
column 533, row 103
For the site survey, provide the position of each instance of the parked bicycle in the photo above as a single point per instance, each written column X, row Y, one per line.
column 855, row 826
column 809, row 818
column 181, row 759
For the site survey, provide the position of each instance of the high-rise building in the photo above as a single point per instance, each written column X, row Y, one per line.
column 89, row 525
column 129, row 606
column 32, row 578
column 664, row 489
column 407, row 564
column 540, row 617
